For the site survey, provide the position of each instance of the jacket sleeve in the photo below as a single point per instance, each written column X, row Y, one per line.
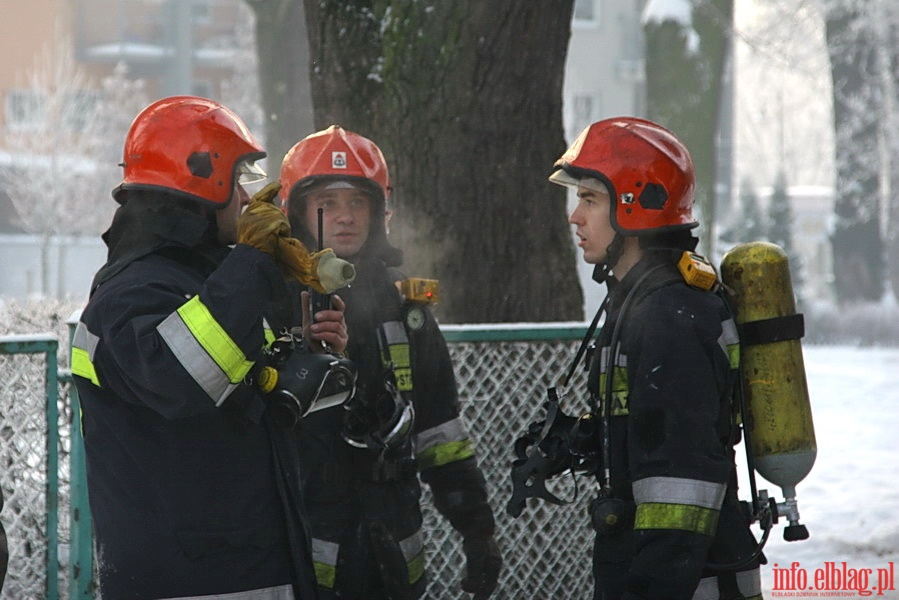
column 177, row 351
column 679, row 367
column 440, row 436
column 443, row 448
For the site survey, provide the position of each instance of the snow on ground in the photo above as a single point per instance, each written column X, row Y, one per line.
column 850, row 500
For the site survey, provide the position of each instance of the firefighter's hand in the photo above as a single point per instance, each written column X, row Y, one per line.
column 483, row 562
column 327, row 331
column 262, row 225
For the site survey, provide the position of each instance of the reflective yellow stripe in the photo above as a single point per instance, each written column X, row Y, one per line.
column 416, row 568
column 325, row 554
column 620, row 391
column 195, row 358
column 83, row 367
column 733, row 355
column 413, row 552
column 444, row 454
column 84, row 345
column 270, row 336
column 443, row 444
column 215, row 340
column 656, row 515
column 398, row 355
column 324, row 561
column 324, row 574
column 730, row 342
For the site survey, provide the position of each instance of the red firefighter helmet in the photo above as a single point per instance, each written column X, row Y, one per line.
column 648, row 171
column 333, row 153
column 191, row 146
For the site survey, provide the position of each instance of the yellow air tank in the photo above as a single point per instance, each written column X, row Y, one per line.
column 779, row 428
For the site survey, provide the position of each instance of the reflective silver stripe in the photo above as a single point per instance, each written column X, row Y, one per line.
column 84, row 347
column 728, row 334
column 324, row 552
column 395, row 333
column 85, row 340
column 707, row 589
column 620, row 359
column 677, row 490
column 193, row 357
column 451, row 431
column 412, row 546
column 750, row 583
column 413, row 551
column 281, row 592
column 730, row 342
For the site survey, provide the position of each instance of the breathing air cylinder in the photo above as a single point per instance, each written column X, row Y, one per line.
column 778, row 427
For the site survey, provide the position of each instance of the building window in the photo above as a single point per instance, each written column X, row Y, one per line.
column 586, row 12
column 24, row 109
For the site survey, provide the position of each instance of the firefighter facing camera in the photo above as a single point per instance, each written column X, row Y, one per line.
column 364, row 465
column 295, row 379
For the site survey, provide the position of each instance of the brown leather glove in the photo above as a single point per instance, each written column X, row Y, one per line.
column 264, row 227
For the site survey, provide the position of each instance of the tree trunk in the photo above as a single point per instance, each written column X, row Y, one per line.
column 283, row 52
column 857, row 102
column 684, row 91
column 465, row 100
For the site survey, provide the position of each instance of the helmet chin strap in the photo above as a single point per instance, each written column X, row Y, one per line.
column 613, row 255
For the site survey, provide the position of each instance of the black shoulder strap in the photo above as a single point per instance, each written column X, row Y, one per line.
column 653, row 279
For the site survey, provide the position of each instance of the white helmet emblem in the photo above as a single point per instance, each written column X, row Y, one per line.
column 338, row 160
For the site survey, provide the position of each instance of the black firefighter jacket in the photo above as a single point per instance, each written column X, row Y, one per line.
column 364, row 505
column 671, row 443
column 193, row 491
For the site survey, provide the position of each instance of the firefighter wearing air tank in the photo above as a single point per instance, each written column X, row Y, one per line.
column 363, row 464
column 661, row 375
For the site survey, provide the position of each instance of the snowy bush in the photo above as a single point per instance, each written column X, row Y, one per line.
column 44, row 315
column 859, row 324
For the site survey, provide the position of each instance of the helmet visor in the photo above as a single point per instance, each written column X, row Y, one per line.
column 249, row 172
column 564, row 178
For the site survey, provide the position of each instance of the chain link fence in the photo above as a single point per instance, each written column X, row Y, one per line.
column 547, row 550
column 33, row 487
column 502, row 385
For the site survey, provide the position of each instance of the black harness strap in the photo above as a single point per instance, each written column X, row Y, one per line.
column 775, row 329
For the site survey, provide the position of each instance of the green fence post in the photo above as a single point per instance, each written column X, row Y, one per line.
column 52, row 392
column 81, row 563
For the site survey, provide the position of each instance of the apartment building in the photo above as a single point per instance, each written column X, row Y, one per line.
column 182, row 46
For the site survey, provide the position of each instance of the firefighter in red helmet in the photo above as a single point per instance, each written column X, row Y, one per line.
column 193, row 489
column 363, row 465
column 662, row 375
